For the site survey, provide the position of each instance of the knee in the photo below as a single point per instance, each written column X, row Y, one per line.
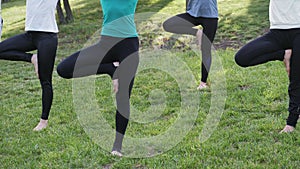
column 46, row 85
column 166, row 25
column 239, row 59
column 62, row 72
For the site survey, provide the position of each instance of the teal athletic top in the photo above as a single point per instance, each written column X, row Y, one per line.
column 118, row 18
column 203, row 8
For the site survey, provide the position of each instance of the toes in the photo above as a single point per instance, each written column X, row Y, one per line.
column 117, row 153
column 42, row 124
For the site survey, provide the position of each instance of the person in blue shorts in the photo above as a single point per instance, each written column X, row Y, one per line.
column 281, row 43
column 116, row 54
column 198, row 12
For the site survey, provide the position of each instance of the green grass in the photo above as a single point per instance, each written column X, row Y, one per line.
column 246, row 137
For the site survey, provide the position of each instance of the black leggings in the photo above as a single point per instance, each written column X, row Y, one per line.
column 271, row 47
column 16, row 48
column 98, row 59
column 184, row 23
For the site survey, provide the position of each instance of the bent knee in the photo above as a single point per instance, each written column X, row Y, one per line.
column 240, row 60
column 167, row 25
column 62, row 72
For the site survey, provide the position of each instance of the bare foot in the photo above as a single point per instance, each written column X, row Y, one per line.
column 287, row 129
column 34, row 61
column 116, row 81
column 116, row 153
column 287, row 59
column 115, row 85
column 42, row 124
column 202, row 86
column 199, row 37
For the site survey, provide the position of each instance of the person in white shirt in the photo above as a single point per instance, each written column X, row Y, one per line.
column 281, row 43
column 41, row 35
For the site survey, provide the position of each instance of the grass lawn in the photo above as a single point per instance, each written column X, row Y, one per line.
column 247, row 129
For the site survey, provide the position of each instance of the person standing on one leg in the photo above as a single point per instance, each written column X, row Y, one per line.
column 116, row 54
column 199, row 12
column 41, row 35
column 281, row 43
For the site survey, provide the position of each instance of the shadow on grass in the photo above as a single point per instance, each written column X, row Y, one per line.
column 12, row 3
column 234, row 29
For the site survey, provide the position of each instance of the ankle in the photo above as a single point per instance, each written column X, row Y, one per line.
column 43, row 121
column 202, row 85
column 41, row 125
column 33, row 58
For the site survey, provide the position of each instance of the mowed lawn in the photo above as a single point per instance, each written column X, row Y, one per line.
column 252, row 102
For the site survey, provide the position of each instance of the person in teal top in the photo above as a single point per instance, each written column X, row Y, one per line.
column 118, row 18
column 116, row 54
column 198, row 12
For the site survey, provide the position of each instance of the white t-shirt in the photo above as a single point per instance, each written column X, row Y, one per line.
column 284, row 14
column 40, row 16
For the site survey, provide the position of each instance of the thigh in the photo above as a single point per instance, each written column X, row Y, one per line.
column 46, row 51
column 114, row 47
column 126, row 48
column 210, row 26
column 266, row 44
column 91, row 55
column 294, row 86
column 295, row 60
column 129, row 60
column 87, row 61
column 22, row 42
column 101, row 52
column 182, row 19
